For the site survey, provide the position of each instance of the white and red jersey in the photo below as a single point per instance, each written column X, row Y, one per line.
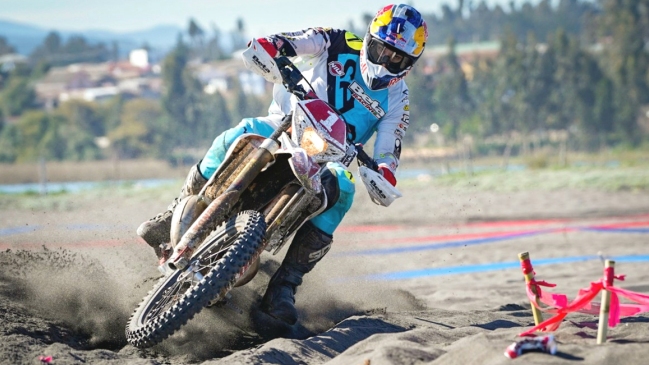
column 329, row 60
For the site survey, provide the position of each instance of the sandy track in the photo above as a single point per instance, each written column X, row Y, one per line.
column 433, row 285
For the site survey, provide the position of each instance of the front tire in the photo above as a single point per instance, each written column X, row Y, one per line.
column 213, row 270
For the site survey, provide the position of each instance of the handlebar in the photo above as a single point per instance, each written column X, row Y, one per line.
column 364, row 159
column 291, row 77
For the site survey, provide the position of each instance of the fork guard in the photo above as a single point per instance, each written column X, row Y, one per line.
column 186, row 212
column 304, row 167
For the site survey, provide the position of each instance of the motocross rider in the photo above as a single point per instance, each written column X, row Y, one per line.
column 363, row 79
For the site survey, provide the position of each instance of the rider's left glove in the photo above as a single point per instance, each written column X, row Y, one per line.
column 387, row 174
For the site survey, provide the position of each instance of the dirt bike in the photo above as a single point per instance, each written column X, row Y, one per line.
column 263, row 192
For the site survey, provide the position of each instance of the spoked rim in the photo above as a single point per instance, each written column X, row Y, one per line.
column 214, row 269
column 202, row 262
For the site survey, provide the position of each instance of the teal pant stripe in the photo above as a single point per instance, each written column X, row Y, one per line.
column 216, row 154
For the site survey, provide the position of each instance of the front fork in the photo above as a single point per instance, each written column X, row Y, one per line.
column 218, row 210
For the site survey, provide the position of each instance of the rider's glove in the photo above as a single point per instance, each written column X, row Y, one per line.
column 259, row 58
column 387, row 174
column 268, row 46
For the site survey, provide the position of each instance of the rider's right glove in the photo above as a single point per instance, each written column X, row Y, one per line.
column 268, row 46
column 387, row 174
column 259, row 58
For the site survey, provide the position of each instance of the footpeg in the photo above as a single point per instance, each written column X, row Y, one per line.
column 165, row 252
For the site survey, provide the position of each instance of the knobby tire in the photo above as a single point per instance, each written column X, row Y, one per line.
column 238, row 242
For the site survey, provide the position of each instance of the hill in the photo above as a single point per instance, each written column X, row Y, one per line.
column 25, row 37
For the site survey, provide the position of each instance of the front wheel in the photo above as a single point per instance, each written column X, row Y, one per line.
column 214, row 268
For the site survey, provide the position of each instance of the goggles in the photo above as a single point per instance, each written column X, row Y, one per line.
column 394, row 60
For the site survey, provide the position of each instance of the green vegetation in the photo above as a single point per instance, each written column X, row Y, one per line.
column 184, row 119
column 635, row 179
column 570, row 77
column 64, row 201
column 76, row 49
column 612, row 170
column 590, row 83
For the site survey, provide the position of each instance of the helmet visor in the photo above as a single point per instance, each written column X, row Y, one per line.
column 394, row 60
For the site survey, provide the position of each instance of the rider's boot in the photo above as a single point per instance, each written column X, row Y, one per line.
column 308, row 247
column 155, row 231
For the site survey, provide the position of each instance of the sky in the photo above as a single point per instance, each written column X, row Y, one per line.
column 261, row 17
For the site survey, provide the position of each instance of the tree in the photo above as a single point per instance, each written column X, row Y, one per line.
column 174, row 97
column 9, row 142
column 239, row 39
column 509, row 74
column 111, row 112
column 213, row 49
column 5, row 47
column 141, row 132
column 39, row 135
column 627, row 23
column 246, row 105
column 79, row 143
column 85, row 116
column 482, row 23
column 75, row 50
column 195, row 32
column 52, row 43
column 17, row 96
column 216, row 118
column 451, row 96
column 420, row 96
column 40, row 70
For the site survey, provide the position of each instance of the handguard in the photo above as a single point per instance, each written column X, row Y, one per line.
column 257, row 60
column 380, row 190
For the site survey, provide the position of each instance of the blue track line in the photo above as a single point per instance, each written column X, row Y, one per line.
column 617, row 230
column 10, row 231
column 18, row 230
column 469, row 269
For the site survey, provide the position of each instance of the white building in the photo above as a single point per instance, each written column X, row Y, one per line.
column 139, row 58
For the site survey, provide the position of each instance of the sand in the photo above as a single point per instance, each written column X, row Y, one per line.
column 431, row 280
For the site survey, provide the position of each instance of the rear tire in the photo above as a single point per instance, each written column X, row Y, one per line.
column 214, row 269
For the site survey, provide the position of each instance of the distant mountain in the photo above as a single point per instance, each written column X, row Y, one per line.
column 26, row 37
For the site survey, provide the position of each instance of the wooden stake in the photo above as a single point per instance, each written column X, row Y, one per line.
column 602, row 328
column 528, row 272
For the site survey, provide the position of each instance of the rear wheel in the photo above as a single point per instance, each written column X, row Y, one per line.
column 213, row 270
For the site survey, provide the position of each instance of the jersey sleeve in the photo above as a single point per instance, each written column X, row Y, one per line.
column 312, row 41
column 392, row 128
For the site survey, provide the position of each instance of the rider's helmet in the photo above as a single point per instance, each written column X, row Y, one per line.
column 394, row 41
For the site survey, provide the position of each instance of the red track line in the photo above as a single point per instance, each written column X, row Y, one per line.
column 454, row 237
column 623, row 225
column 368, row 228
column 536, row 222
column 382, row 228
